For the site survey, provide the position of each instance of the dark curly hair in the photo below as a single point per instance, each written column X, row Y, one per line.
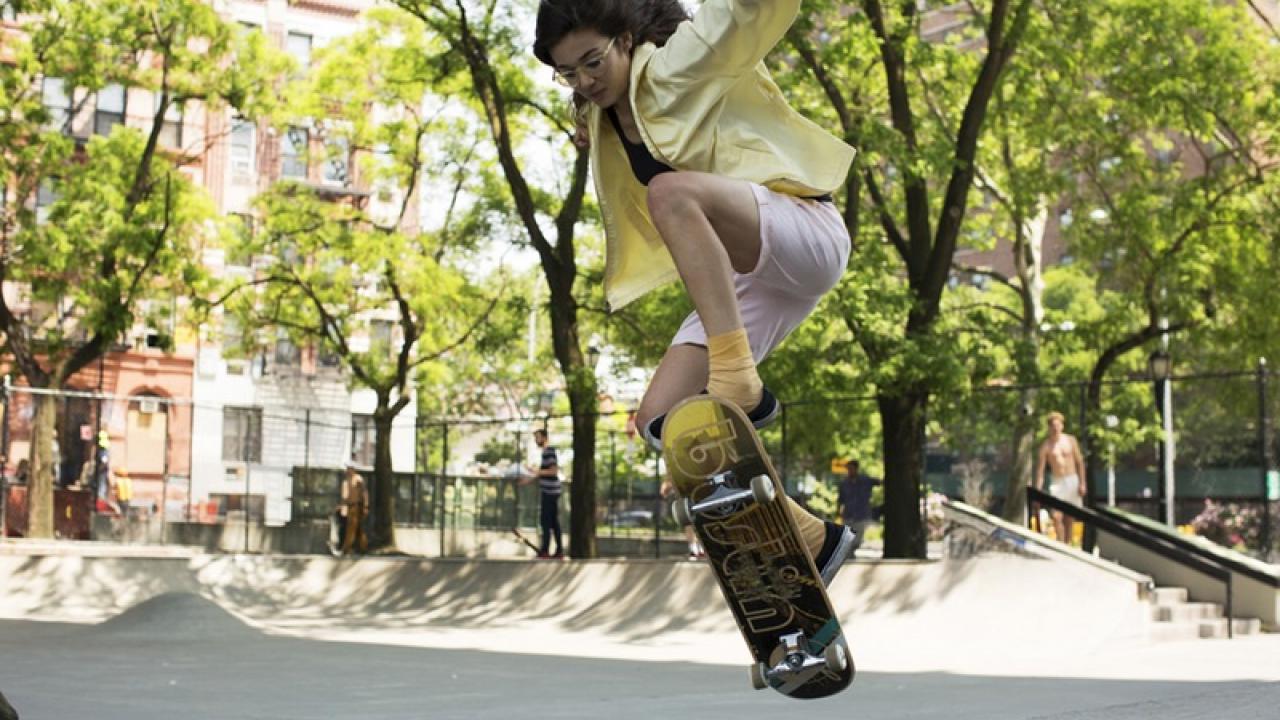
column 647, row 20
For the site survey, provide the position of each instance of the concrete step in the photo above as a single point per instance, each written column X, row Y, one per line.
column 1169, row 595
column 1172, row 632
column 1217, row 628
column 1187, row 612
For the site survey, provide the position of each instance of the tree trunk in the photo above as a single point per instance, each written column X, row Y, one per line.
column 903, row 418
column 582, row 491
column 1028, row 260
column 382, row 503
column 40, row 488
column 1024, row 440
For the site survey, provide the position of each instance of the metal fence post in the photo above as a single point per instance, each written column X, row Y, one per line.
column 4, row 457
column 613, row 483
column 657, row 524
column 1264, row 448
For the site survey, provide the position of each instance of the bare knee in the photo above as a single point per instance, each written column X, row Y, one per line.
column 671, row 196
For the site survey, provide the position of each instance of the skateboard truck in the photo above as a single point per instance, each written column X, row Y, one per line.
column 723, row 496
column 797, row 662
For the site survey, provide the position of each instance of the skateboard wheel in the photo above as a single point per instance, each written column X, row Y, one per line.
column 836, row 656
column 758, row 680
column 762, row 489
column 680, row 510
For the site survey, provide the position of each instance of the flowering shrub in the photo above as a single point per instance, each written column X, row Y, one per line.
column 1235, row 526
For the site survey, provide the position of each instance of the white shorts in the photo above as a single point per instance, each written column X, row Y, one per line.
column 804, row 248
column 1067, row 489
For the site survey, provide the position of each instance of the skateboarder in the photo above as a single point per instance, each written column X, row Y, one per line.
column 703, row 171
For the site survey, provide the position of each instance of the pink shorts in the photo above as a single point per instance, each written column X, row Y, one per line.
column 804, row 248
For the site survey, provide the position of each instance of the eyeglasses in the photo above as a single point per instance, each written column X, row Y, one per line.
column 592, row 67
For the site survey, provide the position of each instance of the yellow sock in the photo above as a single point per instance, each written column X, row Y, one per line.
column 812, row 530
column 733, row 373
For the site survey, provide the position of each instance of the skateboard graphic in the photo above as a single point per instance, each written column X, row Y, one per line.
column 730, row 494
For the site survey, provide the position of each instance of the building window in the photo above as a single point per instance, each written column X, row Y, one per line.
column 329, row 358
column 380, row 335
column 110, row 110
column 363, row 440
column 337, row 168
column 57, row 101
column 46, row 196
column 243, row 155
column 171, row 129
column 286, row 352
column 293, row 153
column 299, row 46
column 242, row 434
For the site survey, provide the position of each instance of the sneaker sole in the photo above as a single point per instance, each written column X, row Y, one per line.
column 836, row 561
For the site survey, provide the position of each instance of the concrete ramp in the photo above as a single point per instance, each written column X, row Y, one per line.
column 986, row 608
column 172, row 617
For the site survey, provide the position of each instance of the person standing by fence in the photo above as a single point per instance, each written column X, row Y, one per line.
column 354, row 508
column 1061, row 453
column 549, row 486
column 853, row 501
column 123, row 489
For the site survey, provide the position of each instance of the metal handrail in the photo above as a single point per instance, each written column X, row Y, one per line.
column 1172, row 536
column 1143, row 539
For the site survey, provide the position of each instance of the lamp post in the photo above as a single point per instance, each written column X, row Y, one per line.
column 1112, row 422
column 1160, row 365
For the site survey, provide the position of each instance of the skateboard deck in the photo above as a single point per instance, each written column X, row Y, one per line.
column 732, row 496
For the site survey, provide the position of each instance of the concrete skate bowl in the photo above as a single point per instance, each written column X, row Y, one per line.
column 172, row 617
column 625, row 600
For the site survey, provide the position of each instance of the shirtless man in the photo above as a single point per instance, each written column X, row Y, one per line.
column 1061, row 453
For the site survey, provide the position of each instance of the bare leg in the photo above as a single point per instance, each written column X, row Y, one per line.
column 711, row 226
column 1058, row 526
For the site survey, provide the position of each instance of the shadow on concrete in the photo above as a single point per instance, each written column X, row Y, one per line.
column 219, row 668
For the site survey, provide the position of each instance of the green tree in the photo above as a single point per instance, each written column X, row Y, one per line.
column 1173, row 136
column 344, row 271
column 883, row 81
column 482, row 57
column 126, row 225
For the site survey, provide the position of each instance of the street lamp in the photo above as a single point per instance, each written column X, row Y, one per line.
column 1161, row 366
column 1112, row 422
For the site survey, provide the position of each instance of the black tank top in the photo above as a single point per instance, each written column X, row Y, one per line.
column 645, row 166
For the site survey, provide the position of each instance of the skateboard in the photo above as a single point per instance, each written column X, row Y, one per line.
column 730, row 494
column 520, row 536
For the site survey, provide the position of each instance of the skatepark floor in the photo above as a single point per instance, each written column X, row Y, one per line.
column 129, row 633
column 180, row 655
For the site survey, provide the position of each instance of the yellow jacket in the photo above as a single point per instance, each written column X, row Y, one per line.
column 705, row 102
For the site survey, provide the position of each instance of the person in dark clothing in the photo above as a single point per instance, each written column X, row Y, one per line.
column 548, row 477
column 853, row 503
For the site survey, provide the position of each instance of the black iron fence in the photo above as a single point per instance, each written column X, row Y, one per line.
column 282, row 465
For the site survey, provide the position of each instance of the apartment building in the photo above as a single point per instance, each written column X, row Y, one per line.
column 203, row 426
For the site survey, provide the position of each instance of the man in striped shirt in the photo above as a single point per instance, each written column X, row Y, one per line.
column 548, row 476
